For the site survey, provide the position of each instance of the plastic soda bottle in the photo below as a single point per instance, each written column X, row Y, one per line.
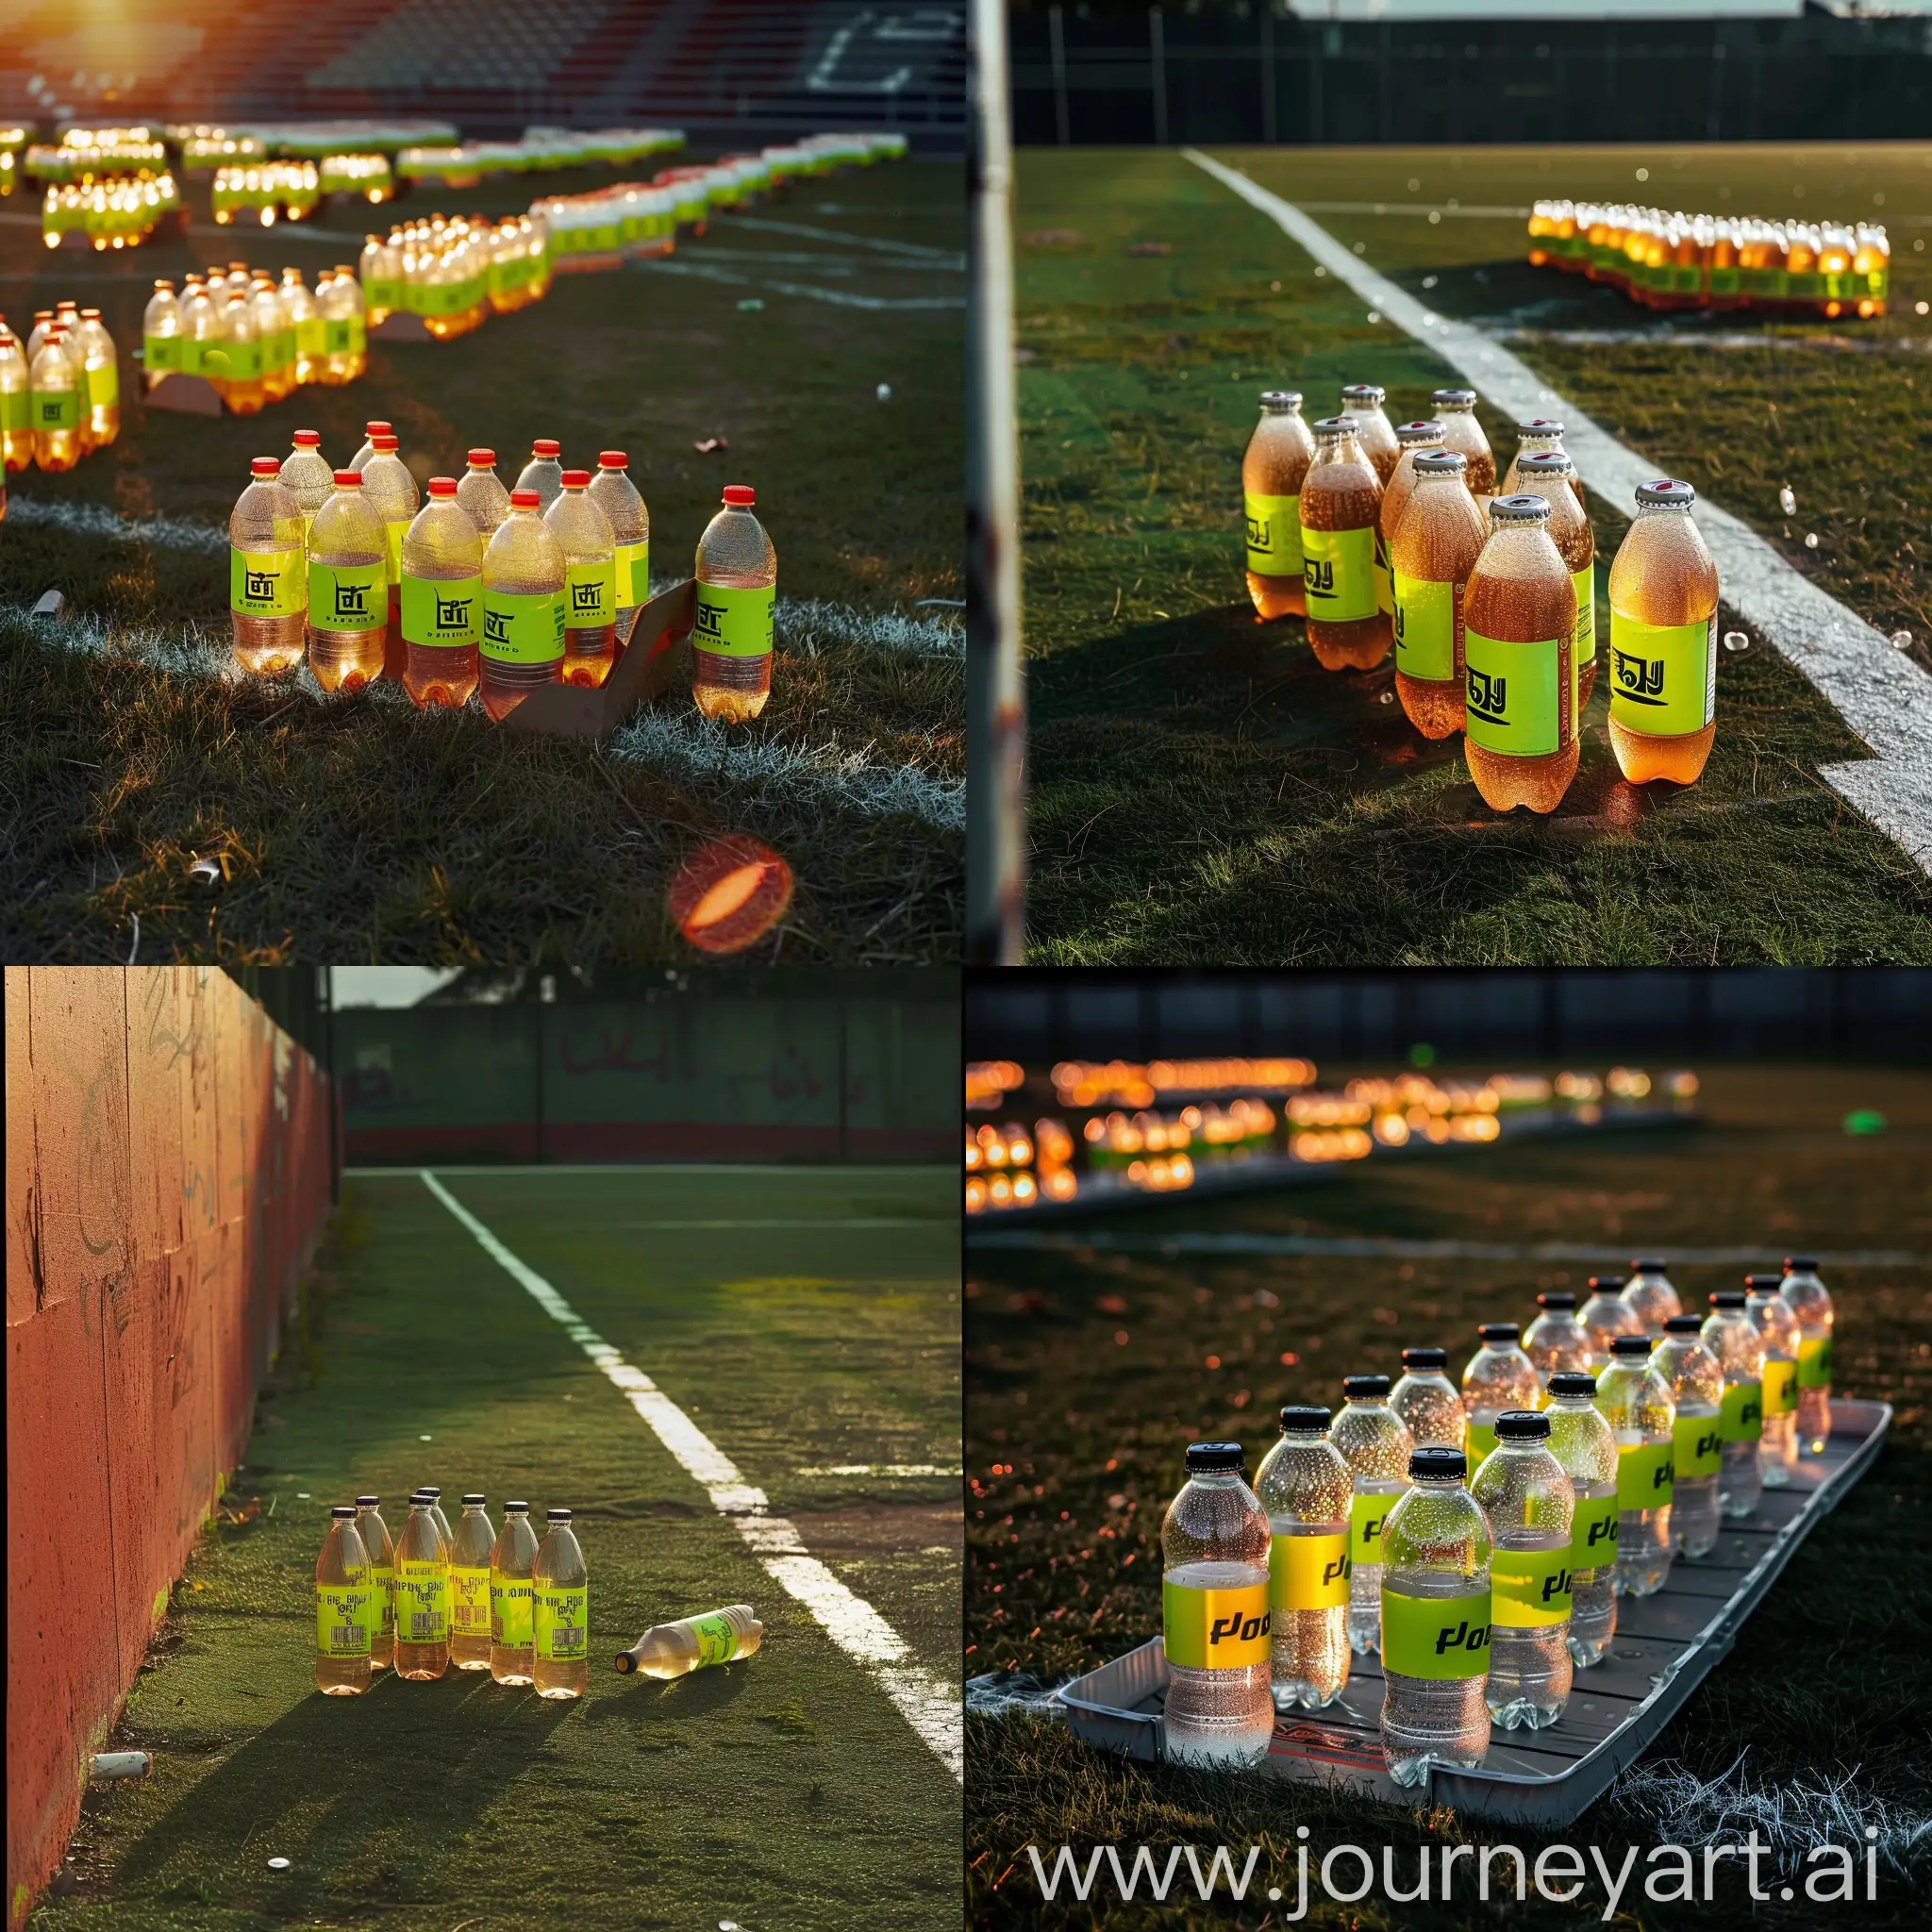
column 277, row 334
column 348, row 599
column 737, row 595
column 616, row 495
column 392, row 494
column 1541, row 433
column 1435, row 1622
column 100, row 378
column 1341, row 501
column 378, row 268
column 1732, row 1337
column 16, row 406
column 434, row 1498
column 469, row 1589
column 304, row 318
column 1454, row 408
column 1426, row 1401
column 57, row 402
column 244, row 392
column 1499, row 1376
column 1551, row 474
column 1810, row 1302
column 1276, row 460
column 589, row 581
column 1649, row 1295
column 1557, row 1340
column 382, row 1581
column 440, row 603
column 511, row 1613
column 354, row 316
column 422, row 1595
column 1530, row 1506
column 522, row 644
column 43, row 323
column 1634, row 1397
column 1414, row 440
column 1664, row 640
column 675, row 1650
column 561, row 1612
column 268, row 572
column 307, row 476
column 1362, row 403
column 343, row 329
column 1607, row 1315
column 201, row 334
column 1434, row 549
column 1520, row 624
column 359, row 461
column 1373, row 1442
column 543, row 473
column 481, row 491
column 1697, row 1390
column 1777, row 1333
column 1583, row 1443
column 1306, row 1488
column 341, row 1608
column 1216, row 1627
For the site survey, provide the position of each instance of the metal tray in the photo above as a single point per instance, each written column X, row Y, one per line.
column 1664, row 1647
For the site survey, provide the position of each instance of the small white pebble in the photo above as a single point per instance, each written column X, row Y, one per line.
column 1320, row 270
column 1388, row 698
column 1429, row 281
column 278, row 1864
column 1787, row 502
column 885, row 392
column 301, row 1495
column 422, row 1438
column 1737, row 640
column 1435, row 219
column 1361, row 247
column 1810, row 540
column 1375, row 316
column 1901, row 640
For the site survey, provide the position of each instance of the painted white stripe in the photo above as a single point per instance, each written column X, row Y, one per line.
column 885, row 1469
column 926, row 1701
column 874, row 1172
column 1880, row 693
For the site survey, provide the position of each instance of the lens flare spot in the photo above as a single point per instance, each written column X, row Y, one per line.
column 730, row 893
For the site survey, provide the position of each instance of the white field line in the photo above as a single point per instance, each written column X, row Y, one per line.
column 885, row 1469
column 929, row 1704
column 872, row 1171
column 838, row 298
column 1880, row 693
column 914, row 251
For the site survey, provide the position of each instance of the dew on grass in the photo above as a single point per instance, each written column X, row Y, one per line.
column 1429, row 281
column 1921, row 307
column 1810, row 540
column 1786, row 501
column 1414, row 184
column 1435, row 218
column 1388, row 698
column 1361, row 247
column 1375, row 316
column 1644, row 174
column 278, row 1864
column 1901, row 640
column 1320, row 271
column 1275, row 288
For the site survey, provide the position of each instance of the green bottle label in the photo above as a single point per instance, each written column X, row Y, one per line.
column 1814, row 1361
column 193, row 357
column 335, row 337
column 422, row 1602
column 1517, row 702
column 511, row 1611
column 1696, row 1447
column 394, row 530
column 1440, row 1637
column 1742, row 1418
column 379, row 292
column 281, row 348
column 1643, row 1476
column 160, row 355
column 1481, row 1444
column 1367, row 1515
column 561, row 1624
column 1594, row 1533
column 358, row 334
column 266, row 583
column 1385, row 585
column 633, row 575
column 444, row 614
column 57, row 409
column 1339, row 572
column 734, row 623
column 382, row 1600
column 1274, row 535
column 1529, row 1590
column 244, row 360
column 1725, row 281
column 717, row 1639
column 522, row 626
column 1664, row 676
column 341, row 1619
column 1216, row 1629
column 469, row 1599
column 1308, row 1572
column 346, row 596
column 1780, row 1388
column 16, row 410
column 1585, row 648
column 1426, row 616
column 311, row 337
column 589, row 595
column 104, row 385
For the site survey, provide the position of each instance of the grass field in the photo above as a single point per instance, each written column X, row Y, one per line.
column 1089, row 1372
column 1201, row 790
column 807, row 1321
column 360, row 829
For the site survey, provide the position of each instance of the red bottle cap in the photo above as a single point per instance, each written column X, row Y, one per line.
column 741, row 495
column 383, row 445
column 544, row 447
column 265, row 466
column 485, row 457
column 375, row 429
column 442, row 485
column 523, row 499
column 308, row 438
column 612, row 459
column 349, row 479
column 576, row 479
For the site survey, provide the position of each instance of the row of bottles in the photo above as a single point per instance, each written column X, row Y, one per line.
column 59, row 390
column 455, row 273
column 255, row 340
column 1386, row 537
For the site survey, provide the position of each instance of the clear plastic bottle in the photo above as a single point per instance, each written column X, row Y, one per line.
column 1306, row 1488
column 1551, row 474
column 1498, row 1377
column 304, row 318
column 617, row 497
column 1586, row 1446
column 1435, row 1622
column 1434, row 547
column 344, row 329
column 278, row 335
column 422, row 1596
column 1557, row 1340
column 434, row 1498
column 1216, row 1629
column 1426, row 1401
column 481, row 491
column 1732, row 1337
column 1376, row 1445
column 1635, row 1399
column 737, row 598
column 16, row 404
column 245, row 391
column 348, row 597
column 1341, row 501
column 1649, row 1295
column 379, row 270
column 441, row 600
column 1534, row 438
column 393, row 495
column 522, row 644
column 589, row 581
column 1454, row 408
column 382, row 1581
column 1276, row 460
column 43, row 323
column 1810, row 1302
column 1777, row 1330
column 469, row 1589
column 1697, row 1387
column 268, row 575
column 59, row 406
column 307, row 476
column 359, row 461
column 543, row 473
column 1530, row 1506
column 100, row 379
column 561, row 1612
column 1604, row 1316
column 203, row 349
column 160, row 336
column 692, row 1643
column 512, row 1639
column 341, row 1608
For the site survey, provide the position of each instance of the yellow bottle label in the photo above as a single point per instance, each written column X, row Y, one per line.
column 268, row 583
column 1780, row 1388
column 589, row 595
column 469, row 1601
column 1340, row 573
column 1274, row 535
column 1742, row 1418
column 441, row 614
column 104, row 385
column 633, row 575
column 1593, row 1534
column 1308, row 1572
column 1480, row 1444
column 561, row 1623
column 1367, row 1516
column 1385, row 587
column 1425, row 618
column 1440, row 1637
column 394, row 530
column 341, row 1619
column 1585, row 580
column 422, row 1602
column 1529, row 1590
column 522, row 626
column 311, row 337
column 346, row 596
column 1644, row 1479
column 1696, row 1447
column 382, row 1600
column 717, row 1639
column 1216, row 1629
column 511, row 1608
column 1664, row 676
column 735, row 623
column 1516, row 702
column 1814, row 1361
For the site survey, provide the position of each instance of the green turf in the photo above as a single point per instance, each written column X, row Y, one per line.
column 785, row 1790
column 360, row 829
column 1086, row 1372
column 1201, row 790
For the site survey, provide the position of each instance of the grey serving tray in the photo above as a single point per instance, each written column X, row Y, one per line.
column 1664, row 1647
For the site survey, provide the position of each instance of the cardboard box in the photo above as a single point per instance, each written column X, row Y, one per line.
column 648, row 666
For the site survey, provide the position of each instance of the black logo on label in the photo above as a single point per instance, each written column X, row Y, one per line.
column 496, row 627
column 1462, row 1637
column 1320, row 578
column 1258, row 533
column 52, row 409
column 352, row 600
column 711, row 621
column 1400, row 616
column 1749, row 1412
column 585, row 599
column 1337, row 1572
column 1664, row 1476
column 1489, row 697
column 452, row 613
column 1372, row 1528
column 1639, row 678
column 259, row 585
column 1240, row 1629
column 1604, row 1529
column 1557, row 1584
